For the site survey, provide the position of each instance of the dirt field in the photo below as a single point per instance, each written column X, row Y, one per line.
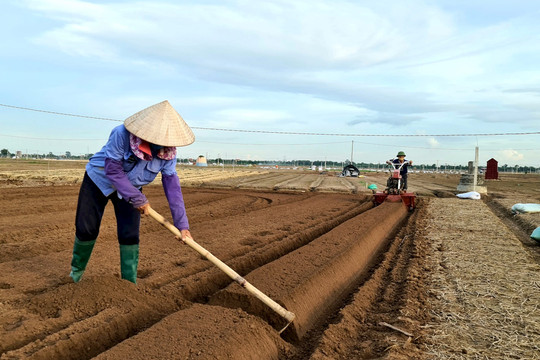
column 454, row 279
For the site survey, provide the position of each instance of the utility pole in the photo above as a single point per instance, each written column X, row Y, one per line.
column 352, row 151
column 475, row 168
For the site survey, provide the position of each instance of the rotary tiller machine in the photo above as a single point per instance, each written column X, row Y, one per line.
column 394, row 189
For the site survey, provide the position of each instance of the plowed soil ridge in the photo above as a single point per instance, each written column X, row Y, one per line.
column 313, row 279
column 393, row 294
column 200, row 285
column 456, row 278
column 233, row 335
column 45, row 315
column 268, row 346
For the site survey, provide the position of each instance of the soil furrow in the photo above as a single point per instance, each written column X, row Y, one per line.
column 312, row 291
column 54, row 312
column 376, row 300
column 275, row 346
column 521, row 231
column 194, row 288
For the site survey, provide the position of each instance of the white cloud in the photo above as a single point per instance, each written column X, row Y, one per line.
column 511, row 155
column 317, row 47
column 334, row 66
column 433, row 142
column 271, row 35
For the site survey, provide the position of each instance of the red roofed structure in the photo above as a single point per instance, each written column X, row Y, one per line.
column 492, row 173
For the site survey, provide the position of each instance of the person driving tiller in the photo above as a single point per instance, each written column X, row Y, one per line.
column 401, row 165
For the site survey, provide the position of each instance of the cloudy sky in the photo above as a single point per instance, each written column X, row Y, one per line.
column 363, row 68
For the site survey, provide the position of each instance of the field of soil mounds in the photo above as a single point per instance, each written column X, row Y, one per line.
column 45, row 315
column 453, row 279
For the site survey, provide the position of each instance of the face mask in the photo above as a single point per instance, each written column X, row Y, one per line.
column 155, row 148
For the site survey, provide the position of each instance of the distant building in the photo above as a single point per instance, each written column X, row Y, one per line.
column 201, row 161
column 492, row 172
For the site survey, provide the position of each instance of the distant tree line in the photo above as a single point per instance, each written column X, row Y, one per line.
column 5, row 153
column 360, row 165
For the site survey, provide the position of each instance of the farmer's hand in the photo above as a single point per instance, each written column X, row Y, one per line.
column 410, row 162
column 185, row 233
column 145, row 209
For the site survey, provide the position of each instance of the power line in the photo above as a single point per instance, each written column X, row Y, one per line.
column 288, row 132
column 59, row 113
column 363, row 135
column 39, row 138
column 274, row 144
column 337, row 142
column 277, row 144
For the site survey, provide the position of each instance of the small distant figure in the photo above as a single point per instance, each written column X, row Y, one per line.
column 402, row 164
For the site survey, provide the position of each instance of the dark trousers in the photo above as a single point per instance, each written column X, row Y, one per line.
column 404, row 181
column 90, row 210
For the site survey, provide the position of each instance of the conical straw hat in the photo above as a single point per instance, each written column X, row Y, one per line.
column 160, row 124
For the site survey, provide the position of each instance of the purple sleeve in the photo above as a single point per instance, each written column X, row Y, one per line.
column 117, row 177
column 173, row 192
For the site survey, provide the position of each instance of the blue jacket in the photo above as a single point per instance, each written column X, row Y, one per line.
column 116, row 168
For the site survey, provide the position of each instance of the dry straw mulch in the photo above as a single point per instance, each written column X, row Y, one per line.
column 486, row 288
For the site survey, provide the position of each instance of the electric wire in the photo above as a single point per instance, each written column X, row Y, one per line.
column 288, row 132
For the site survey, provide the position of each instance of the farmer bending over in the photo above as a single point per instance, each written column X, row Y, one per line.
column 132, row 157
column 403, row 172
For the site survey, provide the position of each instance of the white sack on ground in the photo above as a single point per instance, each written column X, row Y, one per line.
column 469, row 195
column 525, row 208
column 536, row 234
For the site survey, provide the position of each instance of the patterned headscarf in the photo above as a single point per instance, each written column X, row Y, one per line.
column 141, row 149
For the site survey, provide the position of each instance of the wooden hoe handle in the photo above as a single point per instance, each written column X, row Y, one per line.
column 289, row 316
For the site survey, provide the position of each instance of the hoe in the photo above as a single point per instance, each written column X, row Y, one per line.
column 280, row 310
column 394, row 190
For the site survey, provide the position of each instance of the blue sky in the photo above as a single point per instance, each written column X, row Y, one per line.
column 351, row 67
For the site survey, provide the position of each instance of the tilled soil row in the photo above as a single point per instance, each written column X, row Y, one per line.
column 48, row 216
column 199, row 284
column 312, row 182
column 313, row 279
column 45, row 316
column 264, row 181
column 309, row 281
column 394, row 295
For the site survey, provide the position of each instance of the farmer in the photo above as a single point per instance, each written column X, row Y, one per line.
column 132, row 157
column 403, row 172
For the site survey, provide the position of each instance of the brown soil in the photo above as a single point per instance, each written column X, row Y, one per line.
column 451, row 275
column 308, row 281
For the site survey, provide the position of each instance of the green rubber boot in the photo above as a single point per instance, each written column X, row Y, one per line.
column 81, row 254
column 129, row 260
